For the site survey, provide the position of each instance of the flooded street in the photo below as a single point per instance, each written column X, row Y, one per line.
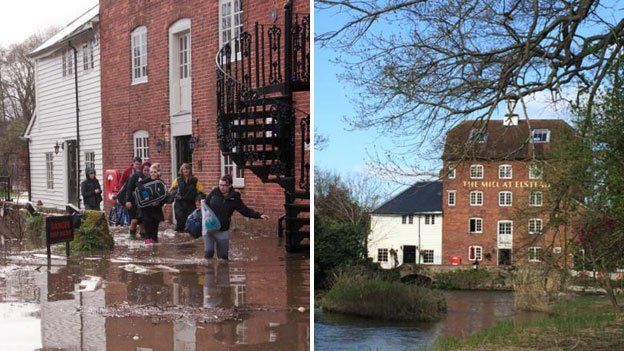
column 160, row 297
column 468, row 312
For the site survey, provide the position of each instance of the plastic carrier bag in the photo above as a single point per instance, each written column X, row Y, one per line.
column 194, row 224
column 150, row 193
column 210, row 222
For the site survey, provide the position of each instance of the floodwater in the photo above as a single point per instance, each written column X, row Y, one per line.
column 468, row 312
column 160, row 297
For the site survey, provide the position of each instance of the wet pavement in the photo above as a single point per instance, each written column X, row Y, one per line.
column 159, row 297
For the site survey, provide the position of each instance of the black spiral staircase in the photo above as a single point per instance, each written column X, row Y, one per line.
column 258, row 125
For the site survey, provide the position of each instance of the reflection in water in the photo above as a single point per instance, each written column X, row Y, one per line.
column 268, row 289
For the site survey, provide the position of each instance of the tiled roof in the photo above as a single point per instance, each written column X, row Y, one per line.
column 420, row 197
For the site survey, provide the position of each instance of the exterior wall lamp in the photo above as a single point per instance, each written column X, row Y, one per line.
column 58, row 147
column 194, row 140
column 160, row 144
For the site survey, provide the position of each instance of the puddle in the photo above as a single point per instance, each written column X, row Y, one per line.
column 183, row 303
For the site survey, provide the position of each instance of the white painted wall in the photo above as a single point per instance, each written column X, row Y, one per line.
column 56, row 121
column 388, row 231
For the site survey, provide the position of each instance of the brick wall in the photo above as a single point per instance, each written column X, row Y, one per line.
column 127, row 108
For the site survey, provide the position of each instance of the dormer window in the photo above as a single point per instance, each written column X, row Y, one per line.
column 478, row 135
column 540, row 135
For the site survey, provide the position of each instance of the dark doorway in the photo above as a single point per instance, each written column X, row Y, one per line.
column 504, row 257
column 73, row 196
column 409, row 254
column 183, row 151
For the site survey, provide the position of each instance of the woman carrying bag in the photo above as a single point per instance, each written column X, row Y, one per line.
column 152, row 214
column 187, row 190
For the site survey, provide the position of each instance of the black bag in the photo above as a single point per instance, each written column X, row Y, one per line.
column 150, row 193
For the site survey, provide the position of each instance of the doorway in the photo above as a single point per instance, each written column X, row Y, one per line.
column 409, row 254
column 183, row 151
column 504, row 257
column 73, row 196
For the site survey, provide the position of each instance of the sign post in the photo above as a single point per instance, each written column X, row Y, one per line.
column 59, row 229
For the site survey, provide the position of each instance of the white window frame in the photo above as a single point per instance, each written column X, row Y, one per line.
column 452, row 172
column 508, row 227
column 404, row 219
column 478, row 253
column 238, row 174
column 477, row 196
column 534, row 196
column 234, row 20
column 503, row 196
column 482, row 138
column 89, row 159
column 534, row 253
column 430, row 219
column 427, row 253
column 138, row 55
column 410, row 219
column 383, row 253
column 535, row 168
column 535, row 132
column 180, row 67
column 140, row 139
column 449, row 197
column 49, row 157
column 67, row 57
column 534, row 228
column 476, row 171
column 87, row 56
column 478, row 227
column 505, row 171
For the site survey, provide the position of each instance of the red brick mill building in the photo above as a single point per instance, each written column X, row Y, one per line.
column 494, row 195
column 221, row 84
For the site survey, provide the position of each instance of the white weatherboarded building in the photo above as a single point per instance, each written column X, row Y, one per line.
column 408, row 228
column 65, row 133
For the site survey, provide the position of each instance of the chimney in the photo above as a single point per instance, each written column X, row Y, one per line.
column 510, row 120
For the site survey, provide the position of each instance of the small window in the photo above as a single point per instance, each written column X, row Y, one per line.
column 535, row 199
column 429, row 219
column 87, row 56
column 476, row 225
column 540, row 135
column 535, row 171
column 557, row 249
column 382, row 255
column 505, row 228
column 229, row 167
column 427, row 256
column 534, row 254
column 230, row 24
column 505, row 198
column 68, row 62
column 139, row 55
column 475, row 253
column 478, row 135
column 184, row 55
column 89, row 160
column 404, row 219
column 504, row 172
column 476, row 171
column 411, row 219
column 452, row 194
column 49, row 170
column 141, row 144
column 535, row 226
column 476, row 198
column 450, row 173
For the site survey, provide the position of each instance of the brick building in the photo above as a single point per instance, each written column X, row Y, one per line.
column 494, row 194
column 159, row 87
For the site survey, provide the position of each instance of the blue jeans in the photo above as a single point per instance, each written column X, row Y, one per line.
column 222, row 240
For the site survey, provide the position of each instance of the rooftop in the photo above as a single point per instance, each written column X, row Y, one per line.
column 422, row 197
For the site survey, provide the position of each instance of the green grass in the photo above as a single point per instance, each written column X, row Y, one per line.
column 584, row 323
column 464, row 279
column 382, row 299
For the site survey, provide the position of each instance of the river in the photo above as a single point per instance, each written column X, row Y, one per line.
column 468, row 312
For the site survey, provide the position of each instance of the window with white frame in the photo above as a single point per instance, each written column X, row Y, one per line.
column 505, row 228
column 139, row 54
column 451, row 172
column 504, row 172
column 505, row 198
column 141, row 144
column 451, row 197
column 68, row 62
column 475, row 225
column 87, row 55
column 476, row 171
column 427, row 256
column 180, row 66
column 535, row 199
column 230, row 24
column 229, row 167
column 535, row 171
column 49, row 170
column 535, row 226
column 89, row 160
column 534, row 254
column 478, row 135
column 476, row 198
column 540, row 135
column 429, row 219
column 411, row 219
column 382, row 255
column 404, row 219
column 475, row 253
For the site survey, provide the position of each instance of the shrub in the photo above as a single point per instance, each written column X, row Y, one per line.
column 463, row 279
column 535, row 288
column 93, row 234
column 35, row 230
column 377, row 298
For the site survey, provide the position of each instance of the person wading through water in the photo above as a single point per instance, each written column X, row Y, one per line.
column 91, row 191
column 152, row 215
column 131, row 205
column 223, row 201
column 188, row 190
